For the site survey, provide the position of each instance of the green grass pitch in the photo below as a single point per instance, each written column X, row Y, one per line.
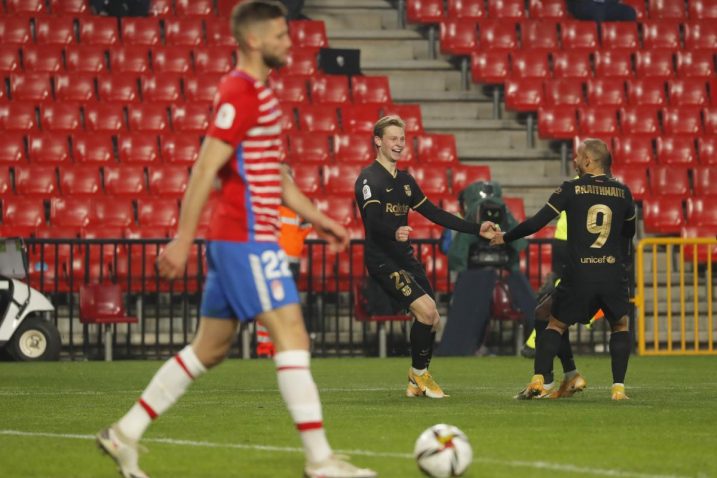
column 232, row 423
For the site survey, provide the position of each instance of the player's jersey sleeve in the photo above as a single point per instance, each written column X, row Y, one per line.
column 367, row 191
column 236, row 110
column 560, row 198
column 417, row 196
column 630, row 211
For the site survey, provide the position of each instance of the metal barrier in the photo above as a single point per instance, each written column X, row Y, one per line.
column 674, row 296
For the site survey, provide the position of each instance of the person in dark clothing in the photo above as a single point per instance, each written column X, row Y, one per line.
column 601, row 10
column 601, row 223
column 385, row 195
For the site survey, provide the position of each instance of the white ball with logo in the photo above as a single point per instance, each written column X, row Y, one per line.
column 443, row 451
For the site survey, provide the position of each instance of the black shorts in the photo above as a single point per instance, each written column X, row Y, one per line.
column 578, row 301
column 404, row 285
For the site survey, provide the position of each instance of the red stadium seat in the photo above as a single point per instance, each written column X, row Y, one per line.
column 676, row 150
column 86, row 59
column 490, row 67
column 702, row 211
column 579, row 35
column 619, row 36
column 330, row 90
column 639, row 7
column 288, row 119
column 129, row 59
column 219, row 34
column 74, row 8
column 683, row 120
column 473, row 9
column 195, row 8
column 291, row 90
column 523, row 94
column 639, row 120
column 463, row 176
column 613, row 64
column 705, row 181
column 96, row 30
column 300, row 62
column 125, row 180
column 572, row 64
column 700, row 35
column 704, row 252
column 432, row 178
column 12, row 148
column 118, row 88
column 104, row 117
column 710, row 120
column 633, row 150
column 356, row 148
column 308, row 34
column 370, row 90
column 458, row 36
column 688, row 92
column 516, row 206
column 15, row 31
column 529, row 64
column 557, row 122
column 506, row 9
column 654, row 63
column 308, row 147
column 17, row 116
column 695, row 64
column 172, row 59
column 191, row 117
column 113, row 212
column 707, row 150
column 306, row 177
column 410, row 114
column 340, row 178
column 9, row 60
column 339, row 207
column 201, row 88
column 55, row 31
column 633, row 177
column 437, row 148
column 80, row 181
column 669, row 181
column 148, row 117
column 35, row 181
column 597, row 120
column 360, row 118
column 424, row 11
column 606, row 92
column 140, row 148
column 26, row 7
column 667, row 9
column 702, row 9
column 23, row 212
column 214, row 60
column 179, row 148
column 548, row 9
column 92, row 147
column 61, row 117
column 184, row 31
column 663, row 215
column 165, row 88
column 48, row 148
column 43, row 58
column 75, row 87
column 647, row 92
column 31, row 87
column 71, row 212
column 168, row 181
column 661, row 35
column 5, row 182
column 540, row 35
column 157, row 212
column 318, row 118
column 497, row 35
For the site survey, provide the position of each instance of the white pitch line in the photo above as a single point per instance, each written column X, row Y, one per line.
column 540, row 465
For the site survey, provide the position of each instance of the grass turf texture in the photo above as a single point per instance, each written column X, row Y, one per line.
column 667, row 429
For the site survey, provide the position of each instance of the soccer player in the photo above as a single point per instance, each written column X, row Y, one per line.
column 601, row 222
column 385, row 195
column 248, row 276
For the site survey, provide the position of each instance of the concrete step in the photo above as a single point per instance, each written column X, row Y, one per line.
column 354, row 18
column 344, row 4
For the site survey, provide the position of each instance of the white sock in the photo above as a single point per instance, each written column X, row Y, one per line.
column 569, row 375
column 620, row 384
column 299, row 391
column 419, row 372
column 168, row 384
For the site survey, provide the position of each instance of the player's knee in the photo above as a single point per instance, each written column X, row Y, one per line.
column 542, row 312
column 212, row 356
column 620, row 325
column 425, row 311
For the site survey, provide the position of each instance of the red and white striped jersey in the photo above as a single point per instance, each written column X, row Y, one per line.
column 248, row 117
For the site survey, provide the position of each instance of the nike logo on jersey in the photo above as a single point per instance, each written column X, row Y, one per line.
column 388, row 190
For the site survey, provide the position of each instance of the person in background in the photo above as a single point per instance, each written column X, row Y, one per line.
column 601, row 11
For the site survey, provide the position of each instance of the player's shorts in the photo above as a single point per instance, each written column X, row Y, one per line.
column 404, row 285
column 246, row 279
column 577, row 301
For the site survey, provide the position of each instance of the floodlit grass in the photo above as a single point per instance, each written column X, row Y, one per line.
column 50, row 410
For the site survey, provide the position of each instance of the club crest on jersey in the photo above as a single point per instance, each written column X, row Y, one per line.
column 407, row 189
column 366, row 191
column 277, row 290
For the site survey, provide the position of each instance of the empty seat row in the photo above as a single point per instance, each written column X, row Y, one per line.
column 201, row 8
column 116, row 59
column 332, row 89
column 677, row 150
column 667, row 181
column 668, row 215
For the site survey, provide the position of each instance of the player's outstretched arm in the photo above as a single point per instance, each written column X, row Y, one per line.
column 334, row 233
column 529, row 226
column 444, row 218
column 212, row 157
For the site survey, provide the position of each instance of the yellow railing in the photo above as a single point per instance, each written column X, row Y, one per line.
column 669, row 328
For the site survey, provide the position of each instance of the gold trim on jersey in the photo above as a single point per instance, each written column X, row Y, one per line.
column 554, row 208
column 422, row 201
column 369, row 202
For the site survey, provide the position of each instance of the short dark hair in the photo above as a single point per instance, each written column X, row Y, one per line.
column 246, row 13
column 599, row 152
column 385, row 122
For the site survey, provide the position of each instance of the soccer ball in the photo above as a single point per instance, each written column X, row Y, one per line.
column 443, row 451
